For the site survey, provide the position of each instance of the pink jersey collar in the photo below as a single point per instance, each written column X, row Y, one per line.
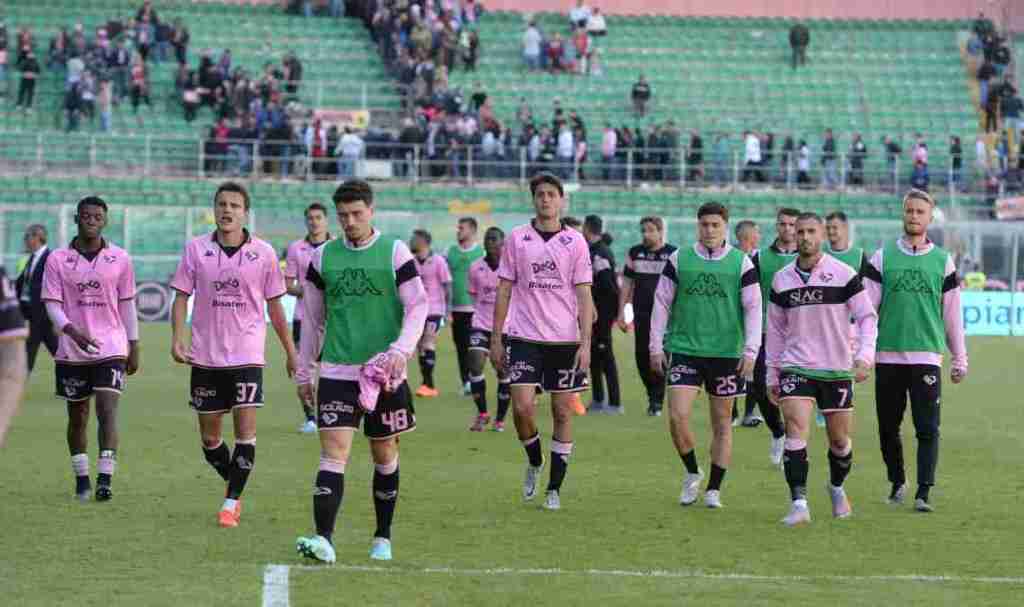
column 912, row 250
column 712, row 254
column 246, row 237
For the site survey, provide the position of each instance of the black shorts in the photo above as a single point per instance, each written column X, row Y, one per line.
column 716, row 375
column 830, row 396
column 221, row 390
column 77, row 382
column 296, row 331
column 480, row 339
column 338, row 408
column 549, row 366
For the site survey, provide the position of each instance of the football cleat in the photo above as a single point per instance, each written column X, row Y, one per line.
column 653, row 411
column 614, row 410
column 799, row 514
column 595, row 407
column 480, row 423
column 898, row 494
column 467, row 390
column 316, row 548
column 922, row 505
column 840, row 503
column 227, row 518
column 819, row 419
column 426, row 391
column 103, row 493
column 309, row 427
column 752, row 421
column 552, row 501
column 776, row 451
column 713, row 499
column 691, row 488
column 83, row 488
column 499, row 426
column 381, row 549
column 530, row 481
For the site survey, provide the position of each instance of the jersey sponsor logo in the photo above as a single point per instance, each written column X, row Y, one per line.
column 353, row 282
column 706, row 285
column 227, row 290
column 806, row 297
column 89, row 285
column 545, row 269
column 912, row 281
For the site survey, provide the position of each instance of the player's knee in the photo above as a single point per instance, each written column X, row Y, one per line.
column 211, row 442
column 840, row 446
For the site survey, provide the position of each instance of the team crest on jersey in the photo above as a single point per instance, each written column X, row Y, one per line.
column 706, row 285
column 826, row 277
column 109, row 258
column 565, row 240
column 912, row 281
column 209, row 253
column 252, row 255
column 353, row 282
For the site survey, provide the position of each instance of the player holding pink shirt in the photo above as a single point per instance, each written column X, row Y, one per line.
column 296, row 265
column 483, row 290
column 234, row 277
column 546, row 270
column 89, row 290
column 437, row 280
column 807, row 351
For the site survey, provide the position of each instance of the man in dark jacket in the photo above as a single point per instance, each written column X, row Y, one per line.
column 29, row 288
column 605, row 291
column 799, row 38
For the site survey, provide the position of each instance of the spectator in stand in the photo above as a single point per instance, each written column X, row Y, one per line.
column 981, row 159
column 596, row 69
column 829, row 179
column 147, row 11
column 105, row 103
column 581, row 153
column 566, row 151
column 799, row 39
column 641, row 95
column 119, row 62
column 858, row 152
column 3, row 59
column 555, row 53
column 145, row 36
column 569, row 57
column 532, row 41
column 919, row 153
column 1012, row 105
column 29, row 67
column 179, row 40
column 190, row 96
column 315, row 140
column 992, row 113
column 919, row 177
column 291, row 73
column 350, row 150
column 57, row 55
column 788, row 148
column 224, row 64
column 524, row 115
column 768, row 154
column 72, row 106
column 469, row 46
column 579, row 15
column 985, row 73
column 164, row 34
column 581, row 43
column 87, row 96
column 956, row 156
column 609, row 145
column 752, row 157
column 721, row 158
column 410, row 136
column 140, row 85
column 892, row 155
column 695, row 158
column 803, row 165
column 596, row 25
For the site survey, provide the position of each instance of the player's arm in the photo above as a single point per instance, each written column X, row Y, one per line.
column 293, row 286
column 775, row 341
column 873, row 279
column 865, row 317
column 501, row 301
column 664, row 297
column 750, row 298
column 183, row 283
column 585, row 305
column 952, row 316
column 291, row 273
column 314, row 321
column 129, row 316
column 625, row 297
column 448, row 284
column 415, row 308
column 279, row 320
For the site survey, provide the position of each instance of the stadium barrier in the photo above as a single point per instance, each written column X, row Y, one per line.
column 155, row 236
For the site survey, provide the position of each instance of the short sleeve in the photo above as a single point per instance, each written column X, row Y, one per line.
column 507, row 265
column 444, row 271
column 52, row 289
column 291, row 263
column 126, row 281
column 185, row 276
column 583, row 270
column 273, row 282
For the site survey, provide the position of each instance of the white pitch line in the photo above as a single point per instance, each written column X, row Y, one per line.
column 275, row 586
column 950, row 579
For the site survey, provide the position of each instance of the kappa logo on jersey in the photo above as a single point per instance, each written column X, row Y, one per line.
column 912, row 281
column 806, row 297
column 931, row 380
column 706, row 285
column 353, row 282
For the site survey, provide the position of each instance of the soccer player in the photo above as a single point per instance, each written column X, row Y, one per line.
column 768, row 261
column 89, row 292
column 707, row 318
column 437, row 280
column 545, row 269
column 233, row 277
column 13, row 357
column 748, row 238
column 810, row 363
column 483, row 289
column 606, row 302
column 365, row 310
column 460, row 258
column 296, row 264
column 644, row 264
column 837, row 227
column 913, row 284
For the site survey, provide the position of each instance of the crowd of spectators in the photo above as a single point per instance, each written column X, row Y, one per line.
column 575, row 52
